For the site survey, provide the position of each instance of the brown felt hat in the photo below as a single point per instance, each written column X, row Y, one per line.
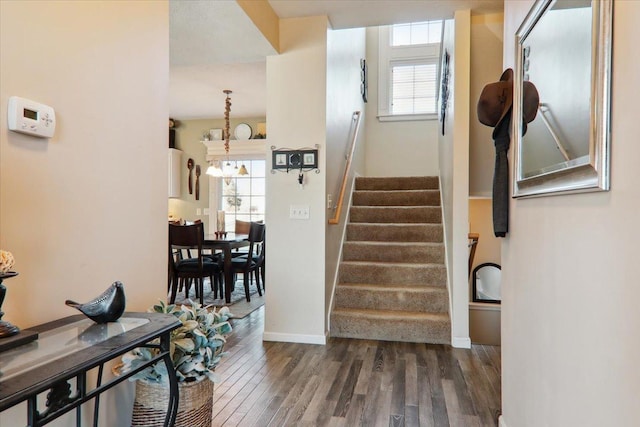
column 496, row 100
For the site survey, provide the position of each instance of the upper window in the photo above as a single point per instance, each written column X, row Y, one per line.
column 408, row 70
column 416, row 33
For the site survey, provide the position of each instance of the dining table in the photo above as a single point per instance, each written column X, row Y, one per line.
column 226, row 243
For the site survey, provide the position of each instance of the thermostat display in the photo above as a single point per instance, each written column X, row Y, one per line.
column 30, row 114
column 31, row 118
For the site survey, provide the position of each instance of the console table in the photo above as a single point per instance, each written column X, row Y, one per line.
column 67, row 349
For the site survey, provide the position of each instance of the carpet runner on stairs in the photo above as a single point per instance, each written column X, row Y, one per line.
column 392, row 279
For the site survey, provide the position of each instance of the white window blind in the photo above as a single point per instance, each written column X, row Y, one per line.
column 413, row 88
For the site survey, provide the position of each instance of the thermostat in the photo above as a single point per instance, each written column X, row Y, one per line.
column 31, row 118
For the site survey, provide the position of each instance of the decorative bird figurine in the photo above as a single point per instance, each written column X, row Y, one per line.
column 107, row 307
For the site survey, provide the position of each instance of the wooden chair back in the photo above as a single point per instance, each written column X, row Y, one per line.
column 242, row 227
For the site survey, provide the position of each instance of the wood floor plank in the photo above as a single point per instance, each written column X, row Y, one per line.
column 411, row 380
column 494, row 354
column 258, row 400
column 477, row 386
column 398, row 389
column 297, row 411
column 346, row 395
column 356, row 408
column 300, row 375
column 451, row 401
column 425, row 405
column 378, row 363
column 385, row 397
column 312, row 412
column 435, row 374
column 371, row 403
column 366, row 371
column 464, row 400
column 349, row 383
column 411, row 416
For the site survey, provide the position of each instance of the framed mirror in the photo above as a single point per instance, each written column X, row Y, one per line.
column 563, row 47
column 487, row 280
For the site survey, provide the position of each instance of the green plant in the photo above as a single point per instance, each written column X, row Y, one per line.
column 196, row 347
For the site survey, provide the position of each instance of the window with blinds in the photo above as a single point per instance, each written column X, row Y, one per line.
column 413, row 88
column 408, row 70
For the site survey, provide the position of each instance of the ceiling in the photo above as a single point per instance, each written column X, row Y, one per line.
column 215, row 46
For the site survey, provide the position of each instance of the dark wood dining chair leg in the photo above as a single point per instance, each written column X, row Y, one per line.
column 256, row 273
column 247, row 277
column 174, row 289
column 220, row 284
column 200, row 286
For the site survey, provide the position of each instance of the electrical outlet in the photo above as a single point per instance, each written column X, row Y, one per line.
column 299, row 212
column 205, row 211
column 198, row 211
column 329, row 200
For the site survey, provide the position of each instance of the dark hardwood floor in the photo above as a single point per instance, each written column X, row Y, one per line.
column 353, row 383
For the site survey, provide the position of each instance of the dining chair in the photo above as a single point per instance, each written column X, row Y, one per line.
column 253, row 260
column 242, row 227
column 196, row 266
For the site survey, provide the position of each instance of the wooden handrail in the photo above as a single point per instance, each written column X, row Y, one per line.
column 347, row 168
column 473, row 237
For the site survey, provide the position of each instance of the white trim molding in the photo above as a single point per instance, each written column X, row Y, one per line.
column 461, row 342
column 295, row 338
column 256, row 148
column 501, row 421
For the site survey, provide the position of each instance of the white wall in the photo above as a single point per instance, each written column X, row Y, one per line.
column 570, row 318
column 405, row 148
column 87, row 207
column 296, row 118
column 453, row 155
column 486, row 67
column 345, row 48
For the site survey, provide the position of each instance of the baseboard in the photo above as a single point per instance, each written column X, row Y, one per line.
column 501, row 421
column 461, row 342
column 296, row 338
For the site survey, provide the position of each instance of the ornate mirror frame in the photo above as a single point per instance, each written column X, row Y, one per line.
column 589, row 172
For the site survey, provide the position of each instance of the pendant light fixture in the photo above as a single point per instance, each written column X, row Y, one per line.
column 224, row 168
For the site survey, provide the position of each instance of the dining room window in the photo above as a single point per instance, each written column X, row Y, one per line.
column 243, row 196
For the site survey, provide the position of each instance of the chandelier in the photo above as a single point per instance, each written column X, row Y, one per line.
column 226, row 171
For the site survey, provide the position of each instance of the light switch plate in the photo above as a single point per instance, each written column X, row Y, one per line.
column 299, row 211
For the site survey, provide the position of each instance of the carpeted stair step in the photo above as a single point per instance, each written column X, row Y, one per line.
column 392, row 277
column 411, row 252
column 407, row 326
column 394, row 232
column 392, row 297
column 396, row 198
column 393, row 273
column 397, row 183
column 395, row 214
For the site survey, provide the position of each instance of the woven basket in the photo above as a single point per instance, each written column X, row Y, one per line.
column 152, row 400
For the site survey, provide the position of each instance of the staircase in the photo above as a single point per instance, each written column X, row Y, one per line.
column 392, row 279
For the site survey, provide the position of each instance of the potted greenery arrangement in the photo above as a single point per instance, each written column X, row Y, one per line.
column 196, row 349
